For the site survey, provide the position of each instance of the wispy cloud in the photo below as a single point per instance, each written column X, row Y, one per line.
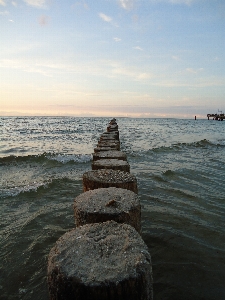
column 126, row 4
column 143, row 76
column 138, row 48
column 185, row 2
column 174, row 57
column 194, row 82
column 194, row 71
column 36, row 3
column 118, row 69
column 116, row 39
column 105, row 17
column 2, row 2
column 100, row 68
column 23, row 66
column 24, row 47
column 114, row 70
column 14, row 3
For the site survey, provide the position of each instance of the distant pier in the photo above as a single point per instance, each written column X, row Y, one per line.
column 218, row 117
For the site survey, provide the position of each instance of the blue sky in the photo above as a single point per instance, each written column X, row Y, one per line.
column 138, row 58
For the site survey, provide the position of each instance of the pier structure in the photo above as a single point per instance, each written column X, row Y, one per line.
column 104, row 256
column 217, row 117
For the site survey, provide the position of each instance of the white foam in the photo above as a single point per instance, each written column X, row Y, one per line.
column 65, row 158
column 16, row 190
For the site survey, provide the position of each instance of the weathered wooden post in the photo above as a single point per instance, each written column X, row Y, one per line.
column 109, row 155
column 107, row 261
column 105, row 178
column 113, row 164
column 101, row 205
column 114, row 144
column 105, row 148
column 113, row 127
column 110, row 133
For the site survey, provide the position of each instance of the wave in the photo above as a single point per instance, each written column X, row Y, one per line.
column 221, row 142
column 35, row 187
column 15, row 191
column 65, row 158
column 169, row 173
column 47, row 157
column 177, row 147
column 180, row 146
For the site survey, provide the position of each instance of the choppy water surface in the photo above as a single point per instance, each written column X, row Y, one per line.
column 180, row 167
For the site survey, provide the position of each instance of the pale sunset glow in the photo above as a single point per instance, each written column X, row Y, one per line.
column 134, row 58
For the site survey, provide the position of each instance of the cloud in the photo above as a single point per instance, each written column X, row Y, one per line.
column 112, row 70
column 133, row 73
column 138, row 48
column 14, row 3
column 174, row 57
column 116, row 39
column 105, row 17
column 100, row 68
column 194, row 82
column 186, row 2
column 194, row 71
column 143, row 76
column 36, row 3
column 2, row 2
column 25, row 66
column 126, row 4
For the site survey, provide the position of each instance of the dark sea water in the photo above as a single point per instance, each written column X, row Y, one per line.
column 180, row 167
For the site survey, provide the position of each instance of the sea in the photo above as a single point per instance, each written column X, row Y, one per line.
column 180, row 168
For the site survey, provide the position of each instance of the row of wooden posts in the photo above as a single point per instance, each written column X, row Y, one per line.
column 104, row 257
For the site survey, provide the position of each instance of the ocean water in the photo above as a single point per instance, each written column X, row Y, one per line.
column 180, row 167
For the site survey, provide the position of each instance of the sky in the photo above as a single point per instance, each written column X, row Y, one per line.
column 131, row 58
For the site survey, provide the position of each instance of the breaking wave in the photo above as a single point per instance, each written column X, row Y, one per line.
column 33, row 187
column 46, row 157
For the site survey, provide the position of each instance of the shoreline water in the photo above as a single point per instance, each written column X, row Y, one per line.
column 180, row 169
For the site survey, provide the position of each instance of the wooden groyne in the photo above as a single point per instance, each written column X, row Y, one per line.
column 104, row 257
